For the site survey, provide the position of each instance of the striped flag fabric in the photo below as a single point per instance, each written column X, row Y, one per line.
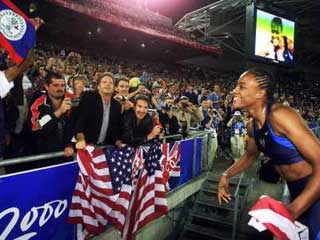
column 124, row 187
column 17, row 33
column 268, row 213
column 149, row 199
column 170, row 161
column 103, row 190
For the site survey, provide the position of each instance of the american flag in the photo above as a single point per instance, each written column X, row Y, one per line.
column 107, row 190
column 103, row 190
column 149, row 199
column 170, row 161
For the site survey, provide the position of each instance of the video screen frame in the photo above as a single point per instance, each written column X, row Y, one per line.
column 264, row 30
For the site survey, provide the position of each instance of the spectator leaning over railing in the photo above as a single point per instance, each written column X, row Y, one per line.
column 99, row 115
column 137, row 127
column 49, row 117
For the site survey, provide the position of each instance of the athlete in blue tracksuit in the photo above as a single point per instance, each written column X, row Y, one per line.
column 280, row 133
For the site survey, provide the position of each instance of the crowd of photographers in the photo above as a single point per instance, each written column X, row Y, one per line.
column 67, row 100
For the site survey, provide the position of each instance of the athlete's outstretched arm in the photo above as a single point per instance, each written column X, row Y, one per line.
column 244, row 163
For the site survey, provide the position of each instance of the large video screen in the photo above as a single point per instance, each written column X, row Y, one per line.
column 274, row 38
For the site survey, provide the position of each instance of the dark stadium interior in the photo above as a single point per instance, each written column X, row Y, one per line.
column 129, row 112
column 62, row 22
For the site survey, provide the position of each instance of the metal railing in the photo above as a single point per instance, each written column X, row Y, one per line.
column 44, row 156
column 33, row 158
column 174, row 136
column 236, row 197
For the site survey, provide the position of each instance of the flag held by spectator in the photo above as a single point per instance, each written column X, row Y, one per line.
column 103, row 190
column 149, row 200
column 170, row 162
column 17, row 33
column 107, row 190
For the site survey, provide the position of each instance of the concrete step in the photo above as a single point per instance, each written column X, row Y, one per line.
column 212, row 188
column 208, row 232
column 216, row 205
column 222, row 219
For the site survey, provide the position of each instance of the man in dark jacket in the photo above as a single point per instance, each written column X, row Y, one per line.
column 137, row 127
column 99, row 115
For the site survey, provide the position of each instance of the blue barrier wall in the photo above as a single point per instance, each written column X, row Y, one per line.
column 35, row 204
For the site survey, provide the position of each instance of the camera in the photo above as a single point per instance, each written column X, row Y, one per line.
column 152, row 111
column 167, row 107
column 185, row 104
column 75, row 102
column 121, row 98
column 212, row 111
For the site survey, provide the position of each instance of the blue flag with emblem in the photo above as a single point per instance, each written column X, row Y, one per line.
column 17, row 34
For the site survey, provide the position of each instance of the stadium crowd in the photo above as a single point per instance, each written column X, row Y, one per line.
column 68, row 99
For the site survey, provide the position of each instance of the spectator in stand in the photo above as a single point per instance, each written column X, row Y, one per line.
column 134, row 82
column 50, row 64
column 238, row 134
column 48, row 118
column 78, row 86
column 193, row 97
column 137, row 126
column 187, row 113
column 140, row 90
column 171, row 91
column 210, row 122
column 156, row 99
column 99, row 115
column 203, row 94
column 119, row 74
column 215, row 97
column 36, row 75
column 78, row 83
column 144, row 77
column 122, row 94
column 168, row 121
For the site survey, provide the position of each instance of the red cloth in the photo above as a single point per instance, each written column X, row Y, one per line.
column 275, row 216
